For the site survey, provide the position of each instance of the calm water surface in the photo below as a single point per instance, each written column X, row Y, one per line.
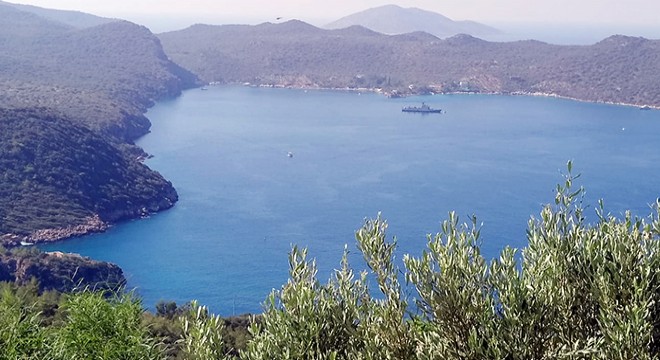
column 244, row 201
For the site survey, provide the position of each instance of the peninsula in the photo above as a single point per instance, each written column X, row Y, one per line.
column 72, row 99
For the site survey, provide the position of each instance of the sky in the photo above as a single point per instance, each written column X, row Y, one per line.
column 165, row 15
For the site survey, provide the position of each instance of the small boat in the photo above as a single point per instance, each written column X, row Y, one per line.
column 645, row 107
column 422, row 109
column 25, row 243
column 289, row 154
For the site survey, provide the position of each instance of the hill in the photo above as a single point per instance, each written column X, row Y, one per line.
column 49, row 64
column 618, row 69
column 75, row 19
column 71, row 103
column 60, row 175
column 393, row 19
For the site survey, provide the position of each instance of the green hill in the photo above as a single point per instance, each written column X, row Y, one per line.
column 57, row 174
column 71, row 103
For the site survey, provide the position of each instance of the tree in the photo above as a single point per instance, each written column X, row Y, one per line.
column 578, row 290
column 202, row 334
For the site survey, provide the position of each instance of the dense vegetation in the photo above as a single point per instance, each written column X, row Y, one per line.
column 107, row 325
column 72, row 100
column 56, row 173
column 617, row 69
column 103, row 76
column 577, row 291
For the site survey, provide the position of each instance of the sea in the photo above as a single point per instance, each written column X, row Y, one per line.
column 259, row 170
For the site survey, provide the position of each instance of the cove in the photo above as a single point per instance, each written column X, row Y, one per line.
column 244, row 200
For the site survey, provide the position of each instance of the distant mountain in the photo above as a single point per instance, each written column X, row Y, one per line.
column 393, row 19
column 75, row 19
column 619, row 69
column 71, row 103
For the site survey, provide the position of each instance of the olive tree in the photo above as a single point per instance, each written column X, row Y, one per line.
column 577, row 290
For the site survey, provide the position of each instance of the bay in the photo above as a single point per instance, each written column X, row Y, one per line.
column 244, row 201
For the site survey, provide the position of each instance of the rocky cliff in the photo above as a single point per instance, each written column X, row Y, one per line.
column 58, row 271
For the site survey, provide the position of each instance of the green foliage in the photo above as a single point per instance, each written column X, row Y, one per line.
column 70, row 155
column 387, row 333
column 577, row 291
column 168, row 309
column 455, row 294
column 236, row 333
column 167, row 331
column 21, row 336
column 306, row 320
column 167, row 324
column 98, row 327
column 202, row 334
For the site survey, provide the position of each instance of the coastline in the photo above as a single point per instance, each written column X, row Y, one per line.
column 92, row 224
column 395, row 93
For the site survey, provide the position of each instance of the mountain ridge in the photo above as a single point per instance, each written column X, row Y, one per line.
column 75, row 19
column 618, row 69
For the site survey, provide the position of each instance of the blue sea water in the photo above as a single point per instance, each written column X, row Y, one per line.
column 244, row 201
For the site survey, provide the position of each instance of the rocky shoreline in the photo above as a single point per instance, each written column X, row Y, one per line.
column 92, row 224
column 398, row 93
column 59, row 271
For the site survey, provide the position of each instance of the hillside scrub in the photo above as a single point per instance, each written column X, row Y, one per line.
column 56, row 174
column 577, row 291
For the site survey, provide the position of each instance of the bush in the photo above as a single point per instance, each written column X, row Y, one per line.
column 98, row 327
column 578, row 290
column 202, row 334
column 21, row 336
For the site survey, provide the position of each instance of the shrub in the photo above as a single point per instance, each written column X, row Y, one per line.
column 102, row 327
column 578, row 290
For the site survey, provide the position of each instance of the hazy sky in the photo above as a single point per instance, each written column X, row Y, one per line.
column 163, row 15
